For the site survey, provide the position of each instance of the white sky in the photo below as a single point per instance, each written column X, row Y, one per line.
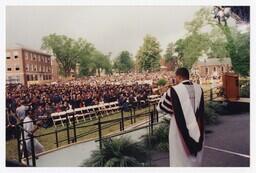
column 110, row 29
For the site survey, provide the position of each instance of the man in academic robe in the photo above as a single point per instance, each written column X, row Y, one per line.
column 184, row 103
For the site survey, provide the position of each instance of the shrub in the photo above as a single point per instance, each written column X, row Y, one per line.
column 161, row 82
column 219, row 108
column 160, row 138
column 121, row 152
column 211, row 116
column 245, row 90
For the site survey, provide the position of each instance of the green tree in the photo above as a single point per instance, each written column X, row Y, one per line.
column 190, row 48
column 148, row 55
column 66, row 50
column 95, row 63
column 169, row 58
column 236, row 44
column 87, row 67
column 179, row 48
column 123, row 63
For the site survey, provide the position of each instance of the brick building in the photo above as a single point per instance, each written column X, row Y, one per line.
column 211, row 67
column 27, row 66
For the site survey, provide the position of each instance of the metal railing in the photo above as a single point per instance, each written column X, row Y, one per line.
column 213, row 93
column 100, row 126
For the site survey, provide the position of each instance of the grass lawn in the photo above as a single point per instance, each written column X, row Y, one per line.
column 49, row 141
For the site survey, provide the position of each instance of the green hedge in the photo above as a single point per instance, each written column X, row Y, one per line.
column 245, row 89
column 161, row 82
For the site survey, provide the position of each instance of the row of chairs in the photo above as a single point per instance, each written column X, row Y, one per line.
column 89, row 112
column 84, row 113
column 154, row 98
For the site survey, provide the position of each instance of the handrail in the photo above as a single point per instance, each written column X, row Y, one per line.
column 126, row 131
column 76, row 126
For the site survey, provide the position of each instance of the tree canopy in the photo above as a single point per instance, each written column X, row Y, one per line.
column 170, row 58
column 221, row 41
column 67, row 51
column 124, row 62
column 148, row 55
column 94, row 64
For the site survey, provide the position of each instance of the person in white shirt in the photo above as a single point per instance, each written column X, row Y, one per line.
column 21, row 111
column 30, row 128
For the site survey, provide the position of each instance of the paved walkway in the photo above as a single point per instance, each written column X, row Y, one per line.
column 226, row 146
column 73, row 156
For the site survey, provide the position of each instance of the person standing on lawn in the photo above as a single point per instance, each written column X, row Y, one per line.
column 30, row 129
column 184, row 102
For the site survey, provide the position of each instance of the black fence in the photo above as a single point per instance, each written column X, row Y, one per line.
column 99, row 126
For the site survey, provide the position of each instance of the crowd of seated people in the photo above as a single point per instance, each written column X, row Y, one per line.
column 127, row 89
column 46, row 99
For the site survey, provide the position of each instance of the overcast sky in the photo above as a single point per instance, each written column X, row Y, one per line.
column 110, row 29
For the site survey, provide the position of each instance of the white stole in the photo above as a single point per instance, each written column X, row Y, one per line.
column 187, row 108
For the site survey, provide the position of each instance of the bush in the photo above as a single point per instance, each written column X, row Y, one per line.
column 161, row 82
column 210, row 112
column 160, row 138
column 219, row 108
column 121, row 152
column 245, row 90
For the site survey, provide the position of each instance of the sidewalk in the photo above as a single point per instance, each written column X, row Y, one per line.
column 229, row 139
column 227, row 145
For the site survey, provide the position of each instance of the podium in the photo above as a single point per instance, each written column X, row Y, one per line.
column 231, row 86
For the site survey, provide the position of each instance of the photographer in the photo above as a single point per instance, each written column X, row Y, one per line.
column 30, row 129
column 21, row 110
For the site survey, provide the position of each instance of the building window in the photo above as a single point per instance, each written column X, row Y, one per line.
column 36, row 77
column 8, row 57
column 206, row 70
column 9, row 69
column 50, row 77
column 27, row 67
column 222, row 68
column 27, row 77
column 214, row 69
column 26, row 55
column 31, row 77
column 17, row 68
column 15, row 56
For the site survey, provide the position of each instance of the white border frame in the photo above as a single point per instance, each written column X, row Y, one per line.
column 5, row 3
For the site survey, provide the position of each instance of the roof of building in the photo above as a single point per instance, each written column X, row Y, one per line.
column 214, row 61
column 28, row 49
